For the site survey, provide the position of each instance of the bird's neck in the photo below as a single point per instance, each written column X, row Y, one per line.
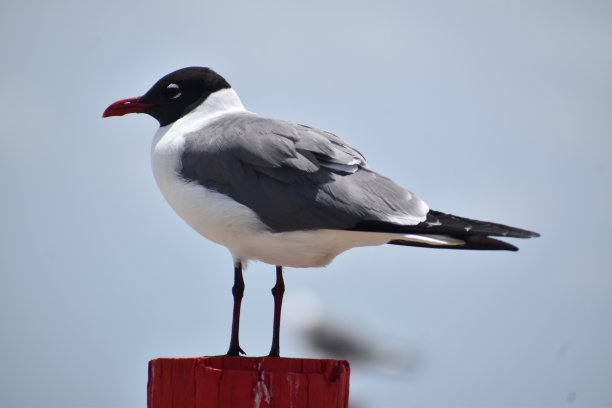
column 218, row 103
column 223, row 102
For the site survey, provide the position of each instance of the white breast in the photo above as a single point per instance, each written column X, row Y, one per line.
column 213, row 215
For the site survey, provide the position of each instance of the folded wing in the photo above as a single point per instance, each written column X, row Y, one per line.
column 294, row 177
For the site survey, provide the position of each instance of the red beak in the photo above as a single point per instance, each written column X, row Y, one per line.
column 125, row 106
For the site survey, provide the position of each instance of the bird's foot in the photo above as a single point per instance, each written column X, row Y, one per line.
column 235, row 351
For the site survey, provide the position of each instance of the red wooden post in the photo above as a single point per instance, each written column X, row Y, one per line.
column 237, row 382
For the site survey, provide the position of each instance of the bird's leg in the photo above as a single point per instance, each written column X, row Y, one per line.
column 277, row 291
column 237, row 291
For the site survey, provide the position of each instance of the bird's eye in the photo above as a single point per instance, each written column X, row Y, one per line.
column 173, row 91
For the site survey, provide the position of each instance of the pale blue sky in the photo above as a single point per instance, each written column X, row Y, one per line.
column 498, row 110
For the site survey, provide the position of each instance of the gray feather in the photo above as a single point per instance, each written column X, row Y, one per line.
column 294, row 177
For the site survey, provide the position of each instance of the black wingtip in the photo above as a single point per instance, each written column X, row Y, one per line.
column 440, row 223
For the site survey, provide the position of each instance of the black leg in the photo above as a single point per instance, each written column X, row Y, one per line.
column 277, row 291
column 237, row 291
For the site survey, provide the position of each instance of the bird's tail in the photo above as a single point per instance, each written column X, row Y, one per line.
column 472, row 242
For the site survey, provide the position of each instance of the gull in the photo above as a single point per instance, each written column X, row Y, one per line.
column 278, row 192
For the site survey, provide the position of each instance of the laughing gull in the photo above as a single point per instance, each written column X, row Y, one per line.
column 279, row 192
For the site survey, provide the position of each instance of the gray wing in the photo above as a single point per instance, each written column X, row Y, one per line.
column 294, row 177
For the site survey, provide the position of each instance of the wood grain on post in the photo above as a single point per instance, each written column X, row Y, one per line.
column 237, row 382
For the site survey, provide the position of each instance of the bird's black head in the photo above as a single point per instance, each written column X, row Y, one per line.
column 173, row 96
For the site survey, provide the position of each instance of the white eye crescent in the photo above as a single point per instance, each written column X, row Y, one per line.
column 173, row 91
